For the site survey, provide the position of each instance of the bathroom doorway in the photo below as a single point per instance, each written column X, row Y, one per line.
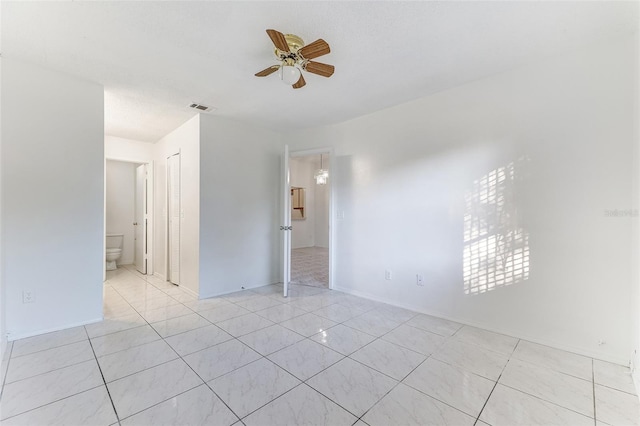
column 128, row 213
column 310, row 193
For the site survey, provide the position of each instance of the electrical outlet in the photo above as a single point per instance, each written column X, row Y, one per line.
column 601, row 342
column 387, row 275
column 419, row 280
column 28, row 296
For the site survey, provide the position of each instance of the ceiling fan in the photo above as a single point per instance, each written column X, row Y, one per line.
column 295, row 56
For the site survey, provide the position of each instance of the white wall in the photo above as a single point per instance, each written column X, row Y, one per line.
column 52, row 198
column 116, row 148
column 186, row 140
column 301, row 171
column 635, row 253
column 239, row 206
column 402, row 175
column 3, row 310
column 120, row 205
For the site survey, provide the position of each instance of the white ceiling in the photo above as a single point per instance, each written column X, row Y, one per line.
column 154, row 58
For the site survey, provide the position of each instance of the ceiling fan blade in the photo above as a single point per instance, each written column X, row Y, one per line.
column 267, row 71
column 300, row 83
column 315, row 49
column 278, row 40
column 320, row 68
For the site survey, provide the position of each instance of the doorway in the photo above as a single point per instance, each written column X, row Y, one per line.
column 128, row 218
column 308, row 234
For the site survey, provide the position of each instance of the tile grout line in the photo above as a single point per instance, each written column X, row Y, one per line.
column 545, row 400
column 612, row 388
column 495, row 385
column 103, row 379
column 6, row 373
column 395, row 386
column 497, row 380
column 52, row 402
column 52, row 370
column 265, row 404
column 66, row 397
column 206, row 383
column 535, row 396
column 53, row 347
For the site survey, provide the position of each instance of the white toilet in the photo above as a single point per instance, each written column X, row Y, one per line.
column 114, row 250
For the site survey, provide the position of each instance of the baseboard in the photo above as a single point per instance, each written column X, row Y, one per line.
column 209, row 296
column 189, row 291
column 159, row 275
column 12, row 337
column 506, row 332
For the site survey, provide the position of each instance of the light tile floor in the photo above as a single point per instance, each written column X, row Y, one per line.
column 318, row 357
column 310, row 266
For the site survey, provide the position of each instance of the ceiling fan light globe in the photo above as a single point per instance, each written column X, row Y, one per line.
column 289, row 74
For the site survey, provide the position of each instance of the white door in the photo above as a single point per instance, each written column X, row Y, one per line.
column 173, row 198
column 140, row 224
column 285, row 228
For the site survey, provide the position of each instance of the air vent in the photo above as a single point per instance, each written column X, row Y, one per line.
column 200, row 107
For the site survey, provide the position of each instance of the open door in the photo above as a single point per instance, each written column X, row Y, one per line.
column 140, row 224
column 173, row 201
column 285, row 228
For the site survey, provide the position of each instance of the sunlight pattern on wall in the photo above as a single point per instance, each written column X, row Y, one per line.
column 496, row 250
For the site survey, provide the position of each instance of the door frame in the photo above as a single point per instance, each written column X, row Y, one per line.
column 145, row 221
column 328, row 150
column 150, row 210
column 167, row 222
